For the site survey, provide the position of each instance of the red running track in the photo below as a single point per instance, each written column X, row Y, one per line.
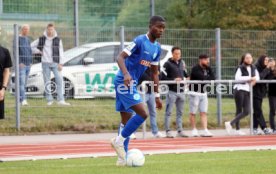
column 148, row 146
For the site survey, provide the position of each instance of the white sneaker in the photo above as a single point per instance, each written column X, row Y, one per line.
column 239, row 132
column 120, row 162
column 257, row 132
column 228, row 127
column 50, row 103
column 62, row 102
column 132, row 136
column 121, row 153
column 206, row 133
column 24, row 103
column 159, row 135
column 195, row 133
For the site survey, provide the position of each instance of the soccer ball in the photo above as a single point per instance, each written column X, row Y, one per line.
column 135, row 158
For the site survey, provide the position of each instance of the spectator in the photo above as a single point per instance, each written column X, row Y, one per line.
column 174, row 69
column 150, row 101
column 198, row 96
column 25, row 61
column 5, row 64
column 259, row 91
column 272, row 97
column 245, row 71
column 51, row 48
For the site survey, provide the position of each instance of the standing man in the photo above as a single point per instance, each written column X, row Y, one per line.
column 198, row 95
column 174, row 69
column 5, row 64
column 51, row 49
column 25, row 61
column 150, row 101
column 142, row 53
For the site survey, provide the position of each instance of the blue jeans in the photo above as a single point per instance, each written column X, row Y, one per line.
column 150, row 100
column 47, row 68
column 24, row 72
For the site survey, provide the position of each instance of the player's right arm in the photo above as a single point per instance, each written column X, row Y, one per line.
column 121, row 63
column 130, row 49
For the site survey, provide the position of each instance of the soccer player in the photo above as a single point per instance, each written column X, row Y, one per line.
column 142, row 53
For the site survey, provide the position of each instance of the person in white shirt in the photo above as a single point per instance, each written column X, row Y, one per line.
column 248, row 73
column 51, row 49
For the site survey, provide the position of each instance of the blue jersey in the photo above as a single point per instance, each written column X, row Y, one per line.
column 141, row 54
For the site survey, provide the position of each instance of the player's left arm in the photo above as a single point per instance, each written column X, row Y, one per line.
column 155, row 78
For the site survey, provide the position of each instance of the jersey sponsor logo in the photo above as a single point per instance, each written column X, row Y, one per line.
column 130, row 46
column 154, row 55
column 145, row 63
column 136, row 97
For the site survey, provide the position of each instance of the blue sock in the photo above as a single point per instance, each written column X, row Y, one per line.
column 126, row 142
column 132, row 124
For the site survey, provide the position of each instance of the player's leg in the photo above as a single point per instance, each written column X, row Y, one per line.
column 134, row 122
column 125, row 116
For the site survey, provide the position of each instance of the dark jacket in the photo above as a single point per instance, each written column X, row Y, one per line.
column 174, row 70
column 146, row 77
column 55, row 47
column 244, row 71
column 200, row 73
column 272, row 86
column 5, row 62
column 260, row 89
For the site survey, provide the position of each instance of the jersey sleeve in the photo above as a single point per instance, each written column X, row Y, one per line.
column 156, row 58
column 133, row 46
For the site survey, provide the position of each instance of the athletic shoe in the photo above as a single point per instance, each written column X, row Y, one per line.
column 50, row 103
column 206, row 133
column 63, row 103
column 228, row 127
column 181, row 134
column 159, row 135
column 169, row 134
column 257, row 132
column 119, row 150
column 239, row 132
column 24, row 103
column 195, row 133
column 120, row 162
column 267, row 131
column 132, row 136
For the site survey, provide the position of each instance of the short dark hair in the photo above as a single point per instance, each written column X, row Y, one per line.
column 175, row 48
column 50, row 25
column 203, row 56
column 155, row 19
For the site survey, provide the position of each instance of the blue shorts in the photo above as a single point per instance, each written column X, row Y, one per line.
column 126, row 97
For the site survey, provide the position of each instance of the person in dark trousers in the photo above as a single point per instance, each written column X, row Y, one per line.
column 245, row 71
column 5, row 64
column 174, row 69
column 197, row 95
column 259, row 92
column 150, row 101
column 272, row 97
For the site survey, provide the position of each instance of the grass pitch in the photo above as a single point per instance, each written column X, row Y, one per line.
column 237, row 162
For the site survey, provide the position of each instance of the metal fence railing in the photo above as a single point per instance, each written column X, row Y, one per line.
column 96, row 113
